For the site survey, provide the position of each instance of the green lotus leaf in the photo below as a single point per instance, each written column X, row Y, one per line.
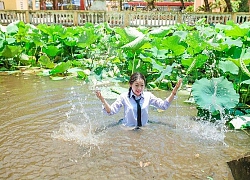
column 51, row 50
column 230, row 42
column 246, row 81
column 71, row 41
column 45, row 61
column 61, row 68
column 136, row 44
column 11, row 51
column 215, row 94
column 236, row 31
column 228, row 66
column 11, row 40
column 159, row 54
column 181, row 34
column 241, row 122
column 112, row 92
column 56, row 78
column 172, row 43
column 132, row 33
column 108, row 28
column 12, row 28
column 165, row 72
column 87, row 38
column 161, row 32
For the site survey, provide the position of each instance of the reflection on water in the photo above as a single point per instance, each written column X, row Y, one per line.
column 56, row 130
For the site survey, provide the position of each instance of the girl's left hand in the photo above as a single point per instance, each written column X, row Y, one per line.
column 98, row 94
column 177, row 86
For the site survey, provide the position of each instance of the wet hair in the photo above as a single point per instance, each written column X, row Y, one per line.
column 133, row 78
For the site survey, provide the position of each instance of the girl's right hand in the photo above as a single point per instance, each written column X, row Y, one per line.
column 105, row 104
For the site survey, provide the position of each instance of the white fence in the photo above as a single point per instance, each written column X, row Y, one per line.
column 122, row 18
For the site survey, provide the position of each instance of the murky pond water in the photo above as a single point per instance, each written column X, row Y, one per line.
column 56, row 130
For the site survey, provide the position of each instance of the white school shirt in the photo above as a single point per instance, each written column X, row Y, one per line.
column 130, row 107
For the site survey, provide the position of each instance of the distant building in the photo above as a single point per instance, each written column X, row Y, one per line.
column 165, row 5
column 1, row 5
column 160, row 5
column 34, row 4
column 17, row 4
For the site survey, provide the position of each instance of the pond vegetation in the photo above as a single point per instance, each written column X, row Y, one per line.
column 213, row 59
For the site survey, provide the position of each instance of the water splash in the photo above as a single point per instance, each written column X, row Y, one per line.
column 78, row 134
column 204, row 129
column 78, row 127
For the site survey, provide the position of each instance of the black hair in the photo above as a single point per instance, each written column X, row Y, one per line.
column 135, row 76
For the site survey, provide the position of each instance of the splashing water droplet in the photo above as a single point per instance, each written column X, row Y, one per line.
column 78, row 128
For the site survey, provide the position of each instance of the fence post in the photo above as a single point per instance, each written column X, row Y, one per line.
column 179, row 17
column 234, row 17
column 75, row 18
column 27, row 16
column 126, row 18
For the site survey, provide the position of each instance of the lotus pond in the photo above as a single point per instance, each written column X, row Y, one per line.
column 56, row 130
column 214, row 60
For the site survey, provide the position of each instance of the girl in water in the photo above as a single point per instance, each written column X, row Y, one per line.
column 136, row 102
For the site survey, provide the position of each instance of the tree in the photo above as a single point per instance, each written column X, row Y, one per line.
column 150, row 4
column 244, row 6
column 182, row 5
column 218, row 5
column 207, row 7
column 229, row 5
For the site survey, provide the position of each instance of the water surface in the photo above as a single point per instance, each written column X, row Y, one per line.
column 56, row 130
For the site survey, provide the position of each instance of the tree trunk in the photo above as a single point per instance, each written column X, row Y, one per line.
column 120, row 4
column 150, row 5
column 182, row 5
column 207, row 8
column 229, row 5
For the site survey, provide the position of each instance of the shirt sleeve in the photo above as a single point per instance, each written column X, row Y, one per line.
column 115, row 106
column 158, row 102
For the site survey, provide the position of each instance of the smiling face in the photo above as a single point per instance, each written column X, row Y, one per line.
column 138, row 86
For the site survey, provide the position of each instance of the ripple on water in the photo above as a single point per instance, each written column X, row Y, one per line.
column 56, row 130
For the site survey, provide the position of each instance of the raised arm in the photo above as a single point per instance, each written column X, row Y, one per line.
column 105, row 104
column 174, row 91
